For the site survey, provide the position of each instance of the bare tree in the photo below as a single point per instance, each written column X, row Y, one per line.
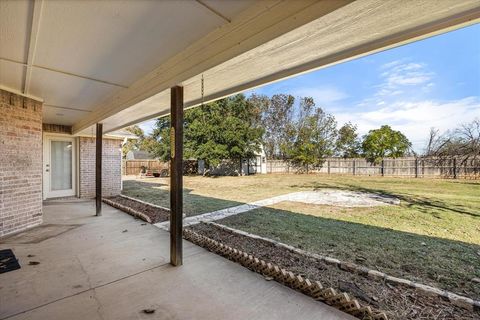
column 461, row 145
column 463, row 141
column 436, row 142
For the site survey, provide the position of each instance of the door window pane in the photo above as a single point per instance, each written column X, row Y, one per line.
column 61, row 165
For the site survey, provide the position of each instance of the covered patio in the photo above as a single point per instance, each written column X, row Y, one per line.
column 74, row 72
column 115, row 266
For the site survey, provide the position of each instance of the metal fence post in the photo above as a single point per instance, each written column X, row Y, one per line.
column 353, row 167
column 416, row 167
column 382, row 170
column 454, row 168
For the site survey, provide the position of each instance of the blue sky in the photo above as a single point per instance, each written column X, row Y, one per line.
column 430, row 83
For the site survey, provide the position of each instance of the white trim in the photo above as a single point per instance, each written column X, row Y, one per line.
column 47, row 193
column 19, row 93
column 77, row 140
column 32, row 44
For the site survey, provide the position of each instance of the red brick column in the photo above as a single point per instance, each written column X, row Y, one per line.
column 111, row 167
column 20, row 163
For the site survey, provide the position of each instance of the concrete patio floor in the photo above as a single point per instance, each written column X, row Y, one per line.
column 112, row 267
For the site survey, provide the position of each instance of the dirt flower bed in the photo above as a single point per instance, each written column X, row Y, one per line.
column 398, row 301
column 155, row 214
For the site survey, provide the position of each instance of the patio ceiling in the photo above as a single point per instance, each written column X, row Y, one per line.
column 113, row 61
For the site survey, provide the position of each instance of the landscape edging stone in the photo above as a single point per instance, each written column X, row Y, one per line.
column 458, row 300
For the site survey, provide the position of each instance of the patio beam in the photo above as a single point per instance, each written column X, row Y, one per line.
column 98, row 169
column 176, row 175
column 32, row 43
column 261, row 22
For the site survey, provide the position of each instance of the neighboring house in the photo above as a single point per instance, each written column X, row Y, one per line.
column 257, row 164
column 138, row 155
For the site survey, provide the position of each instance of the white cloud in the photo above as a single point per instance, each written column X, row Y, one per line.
column 415, row 119
column 321, row 95
column 147, row 126
column 398, row 74
column 391, row 64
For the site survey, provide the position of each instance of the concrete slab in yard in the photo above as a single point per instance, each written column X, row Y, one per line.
column 97, row 271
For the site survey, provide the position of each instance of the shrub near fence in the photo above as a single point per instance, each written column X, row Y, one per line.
column 399, row 167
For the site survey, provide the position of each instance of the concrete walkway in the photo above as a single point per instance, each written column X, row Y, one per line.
column 331, row 197
column 114, row 266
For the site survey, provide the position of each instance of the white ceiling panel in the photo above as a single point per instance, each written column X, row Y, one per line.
column 154, row 106
column 66, row 91
column 372, row 25
column 11, row 75
column 118, row 41
column 15, row 24
column 117, row 59
column 61, row 116
column 228, row 8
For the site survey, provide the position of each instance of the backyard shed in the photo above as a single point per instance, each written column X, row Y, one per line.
column 138, row 155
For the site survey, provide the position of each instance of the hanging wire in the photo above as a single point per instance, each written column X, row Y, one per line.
column 203, row 90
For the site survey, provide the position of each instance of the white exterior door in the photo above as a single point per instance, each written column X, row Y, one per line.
column 59, row 159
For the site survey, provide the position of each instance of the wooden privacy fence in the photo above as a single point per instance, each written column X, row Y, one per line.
column 134, row 167
column 400, row 167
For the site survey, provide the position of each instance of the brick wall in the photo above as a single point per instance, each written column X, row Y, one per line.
column 20, row 163
column 111, row 167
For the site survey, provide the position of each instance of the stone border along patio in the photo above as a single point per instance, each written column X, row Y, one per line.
column 314, row 289
column 455, row 299
column 323, row 196
column 143, row 202
column 135, row 212
column 458, row 300
column 128, row 210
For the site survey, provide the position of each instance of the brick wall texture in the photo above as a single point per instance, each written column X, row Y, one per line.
column 20, row 163
column 111, row 167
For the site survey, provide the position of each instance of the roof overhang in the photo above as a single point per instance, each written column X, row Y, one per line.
column 113, row 62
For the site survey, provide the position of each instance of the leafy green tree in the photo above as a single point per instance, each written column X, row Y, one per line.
column 225, row 129
column 315, row 134
column 228, row 128
column 140, row 143
column 384, row 142
column 159, row 146
column 276, row 119
column 348, row 144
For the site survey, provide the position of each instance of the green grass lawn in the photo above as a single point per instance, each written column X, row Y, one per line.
column 433, row 236
column 157, row 191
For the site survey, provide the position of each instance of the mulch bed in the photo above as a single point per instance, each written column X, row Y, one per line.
column 155, row 214
column 398, row 301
